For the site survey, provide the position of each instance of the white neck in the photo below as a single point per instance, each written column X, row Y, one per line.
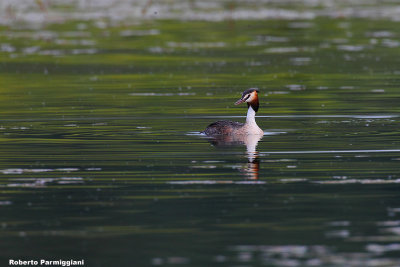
column 251, row 116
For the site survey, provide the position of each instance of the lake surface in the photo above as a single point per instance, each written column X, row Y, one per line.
column 102, row 159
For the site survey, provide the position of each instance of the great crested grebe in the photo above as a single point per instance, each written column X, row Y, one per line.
column 218, row 128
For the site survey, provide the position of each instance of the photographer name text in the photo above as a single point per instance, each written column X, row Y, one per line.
column 43, row 262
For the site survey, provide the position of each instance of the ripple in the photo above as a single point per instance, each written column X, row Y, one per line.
column 128, row 33
column 339, row 223
column 273, row 133
column 196, row 44
column 332, row 151
column 293, row 180
column 376, row 248
column 296, row 87
column 300, row 61
column 338, row 234
column 213, row 182
column 380, row 34
column 315, row 255
column 389, row 223
column 42, row 182
column 170, row 260
column 282, row 50
column 300, row 25
column 161, row 94
column 120, row 12
column 351, row 48
column 7, row 48
column 360, row 181
column 196, row 134
column 390, row 43
column 21, row 171
column 203, row 167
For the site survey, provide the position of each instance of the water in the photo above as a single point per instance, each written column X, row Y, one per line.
column 102, row 157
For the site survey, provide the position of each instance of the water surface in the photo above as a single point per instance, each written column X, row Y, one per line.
column 102, row 158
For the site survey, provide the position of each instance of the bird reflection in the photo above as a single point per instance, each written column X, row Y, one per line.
column 251, row 170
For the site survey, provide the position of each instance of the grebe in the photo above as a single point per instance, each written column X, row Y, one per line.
column 218, row 128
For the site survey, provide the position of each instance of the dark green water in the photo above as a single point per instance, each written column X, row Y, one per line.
column 101, row 157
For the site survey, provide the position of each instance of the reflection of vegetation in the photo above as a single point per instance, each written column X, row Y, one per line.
column 88, row 66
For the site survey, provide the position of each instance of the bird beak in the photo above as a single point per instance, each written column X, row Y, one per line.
column 240, row 101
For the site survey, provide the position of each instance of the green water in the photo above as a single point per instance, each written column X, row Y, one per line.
column 101, row 157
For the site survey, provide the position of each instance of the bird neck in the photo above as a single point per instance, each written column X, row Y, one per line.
column 251, row 116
